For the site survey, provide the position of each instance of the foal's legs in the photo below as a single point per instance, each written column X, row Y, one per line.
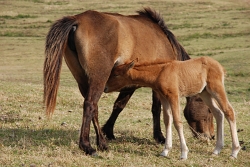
column 218, row 92
column 219, row 117
column 175, row 107
column 168, row 120
column 220, row 95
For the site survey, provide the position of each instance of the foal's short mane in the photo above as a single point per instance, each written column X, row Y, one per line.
column 145, row 64
column 157, row 18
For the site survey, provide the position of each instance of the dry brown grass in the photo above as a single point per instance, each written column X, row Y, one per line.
column 215, row 28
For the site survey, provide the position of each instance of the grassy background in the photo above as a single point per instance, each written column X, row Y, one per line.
column 220, row 29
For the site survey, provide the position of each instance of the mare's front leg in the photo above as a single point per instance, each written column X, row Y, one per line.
column 156, row 112
column 168, row 120
column 120, row 103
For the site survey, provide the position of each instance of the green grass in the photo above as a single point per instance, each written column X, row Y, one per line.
column 219, row 29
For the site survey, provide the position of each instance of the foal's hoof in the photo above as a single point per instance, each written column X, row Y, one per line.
column 232, row 157
column 214, row 155
column 164, row 153
column 183, row 158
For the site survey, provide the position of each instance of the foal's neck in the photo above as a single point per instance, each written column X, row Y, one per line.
column 146, row 74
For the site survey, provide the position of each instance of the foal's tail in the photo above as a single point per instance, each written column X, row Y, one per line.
column 157, row 18
column 56, row 42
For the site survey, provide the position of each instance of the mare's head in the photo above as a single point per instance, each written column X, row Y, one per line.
column 119, row 77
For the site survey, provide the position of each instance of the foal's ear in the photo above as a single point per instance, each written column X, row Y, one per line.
column 131, row 64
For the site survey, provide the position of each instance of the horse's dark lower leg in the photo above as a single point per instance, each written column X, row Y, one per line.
column 90, row 109
column 100, row 139
column 156, row 111
column 84, row 142
column 120, row 103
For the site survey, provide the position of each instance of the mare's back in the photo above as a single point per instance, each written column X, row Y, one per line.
column 135, row 36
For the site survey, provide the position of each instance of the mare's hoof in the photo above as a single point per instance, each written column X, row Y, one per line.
column 102, row 147
column 95, row 155
column 111, row 137
column 108, row 133
column 88, row 150
column 159, row 138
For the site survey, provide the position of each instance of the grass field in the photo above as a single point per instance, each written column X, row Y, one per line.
column 217, row 28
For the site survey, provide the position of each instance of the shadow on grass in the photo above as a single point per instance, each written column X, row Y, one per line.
column 25, row 138
column 127, row 142
column 127, row 137
column 30, row 139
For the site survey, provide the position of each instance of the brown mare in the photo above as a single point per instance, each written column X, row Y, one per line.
column 91, row 43
column 175, row 79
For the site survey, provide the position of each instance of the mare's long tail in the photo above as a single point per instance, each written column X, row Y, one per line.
column 56, row 42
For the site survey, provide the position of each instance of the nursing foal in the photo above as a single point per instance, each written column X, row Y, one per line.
column 175, row 79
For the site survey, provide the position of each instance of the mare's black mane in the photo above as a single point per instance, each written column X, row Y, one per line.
column 157, row 18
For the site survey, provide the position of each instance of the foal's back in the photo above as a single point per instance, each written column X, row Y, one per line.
column 191, row 76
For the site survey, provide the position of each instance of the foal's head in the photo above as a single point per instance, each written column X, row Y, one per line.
column 119, row 77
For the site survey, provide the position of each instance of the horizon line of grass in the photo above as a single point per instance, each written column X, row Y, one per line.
column 19, row 16
column 18, row 34
column 207, row 35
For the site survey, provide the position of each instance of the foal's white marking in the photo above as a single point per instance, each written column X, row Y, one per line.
column 168, row 120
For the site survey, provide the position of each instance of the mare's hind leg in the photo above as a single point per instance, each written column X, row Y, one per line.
column 90, row 112
column 100, row 139
column 120, row 103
